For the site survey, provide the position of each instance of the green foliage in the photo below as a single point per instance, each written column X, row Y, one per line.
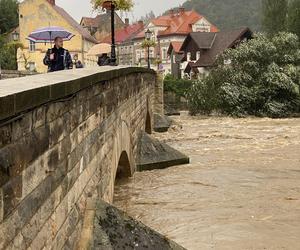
column 274, row 15
column 229, row 14
column 177, row 86
column 262, row 79
column 8, row 15
column 148, row 43
column 294, row 17
column 125, row 5
column 8, row 57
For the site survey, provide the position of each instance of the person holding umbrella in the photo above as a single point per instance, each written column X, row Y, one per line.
column 58, row 58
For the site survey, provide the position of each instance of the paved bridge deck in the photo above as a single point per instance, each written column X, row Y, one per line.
column 20, row 94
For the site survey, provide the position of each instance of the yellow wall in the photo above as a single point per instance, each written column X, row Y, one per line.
column 34, row 14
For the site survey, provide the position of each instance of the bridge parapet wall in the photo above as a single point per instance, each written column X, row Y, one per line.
column 61, row 138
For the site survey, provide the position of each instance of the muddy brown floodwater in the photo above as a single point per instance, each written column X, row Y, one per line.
column 241, row 190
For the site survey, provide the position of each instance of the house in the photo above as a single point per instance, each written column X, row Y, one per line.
column 124, row 42
column 202, row 49
column 176, row 57
column 173, row 27
column 100, row 26
column 34, row 14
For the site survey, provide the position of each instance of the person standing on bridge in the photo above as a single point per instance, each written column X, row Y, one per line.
column 58, row 58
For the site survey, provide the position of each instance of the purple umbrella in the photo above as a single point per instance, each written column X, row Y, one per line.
column 48, row 34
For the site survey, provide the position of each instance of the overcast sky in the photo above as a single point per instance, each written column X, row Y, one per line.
column 79, row 8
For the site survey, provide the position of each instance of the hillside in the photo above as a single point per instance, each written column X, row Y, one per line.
column 228, row 14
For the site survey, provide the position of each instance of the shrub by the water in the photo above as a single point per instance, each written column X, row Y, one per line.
column 262, row 79
column 177, row 86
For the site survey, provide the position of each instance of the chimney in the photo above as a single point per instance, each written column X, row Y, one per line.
column 126, row 22
column 141, row 23
column 181, row 11
column 52, row 2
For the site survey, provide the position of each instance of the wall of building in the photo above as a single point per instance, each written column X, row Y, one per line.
column 61, row 138
column 34, row 14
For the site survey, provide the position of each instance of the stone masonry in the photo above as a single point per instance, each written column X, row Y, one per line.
column 61, row 138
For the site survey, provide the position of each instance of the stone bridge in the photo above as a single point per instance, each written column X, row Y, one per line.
column 65, row 137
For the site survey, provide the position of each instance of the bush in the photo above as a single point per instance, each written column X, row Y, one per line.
column 8, row 59
column 263, row 79
column 177, row 86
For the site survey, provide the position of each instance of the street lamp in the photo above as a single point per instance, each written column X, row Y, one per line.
column 109, row 5
column 148, row 35
column 15, row 36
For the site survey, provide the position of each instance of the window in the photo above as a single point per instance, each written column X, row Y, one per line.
column 198, row 55
column 174, row 59
column 188, row 56
column 138, row 55
column 151, row 53
column 31, row 46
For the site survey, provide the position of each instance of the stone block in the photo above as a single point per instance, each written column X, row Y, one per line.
column 31, row 98
column 5, row 135
column 7, row 106
column 153, row 154
column 113, row 229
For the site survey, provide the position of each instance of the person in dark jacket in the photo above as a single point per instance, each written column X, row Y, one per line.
column 103, row 60
column 58, row 58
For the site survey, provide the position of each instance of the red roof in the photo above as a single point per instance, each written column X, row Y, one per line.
column 178, row 23
column 125, row 33
column 176, row 46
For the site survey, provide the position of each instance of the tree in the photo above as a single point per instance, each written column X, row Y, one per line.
column 263, row 79
column 125, row 5
column 8, row 55
column 274, row 15
column 228, row 14
column 8, row 15
column 294, row 17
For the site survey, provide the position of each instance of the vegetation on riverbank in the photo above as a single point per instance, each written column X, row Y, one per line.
column 177, row 86
column 260, row 77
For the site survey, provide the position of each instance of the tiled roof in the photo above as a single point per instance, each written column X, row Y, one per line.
column 176, row 46
column 178, row 23
column 223, row 40
column 204, row 40
column 96, row 21
column 74, row 24
column 123, row 34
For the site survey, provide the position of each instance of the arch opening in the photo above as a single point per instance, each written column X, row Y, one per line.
column 148, row 127
column 124, row 168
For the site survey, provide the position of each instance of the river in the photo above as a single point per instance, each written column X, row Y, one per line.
column 241, row 190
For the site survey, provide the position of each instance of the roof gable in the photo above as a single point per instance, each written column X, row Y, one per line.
column 174, row 46
column 223, row 40
column 85, row 34
column 176, row 24
column 126, row 33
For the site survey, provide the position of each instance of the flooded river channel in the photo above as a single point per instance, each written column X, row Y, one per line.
column 241, row 190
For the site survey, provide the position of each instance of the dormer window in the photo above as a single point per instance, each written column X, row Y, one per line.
column 198, row 55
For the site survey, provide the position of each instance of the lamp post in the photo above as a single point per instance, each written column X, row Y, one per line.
column 109, row 5
column 148, row 35
column 15, row 37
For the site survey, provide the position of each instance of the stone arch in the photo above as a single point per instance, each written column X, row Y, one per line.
column 122, row 164
column 123, row 169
